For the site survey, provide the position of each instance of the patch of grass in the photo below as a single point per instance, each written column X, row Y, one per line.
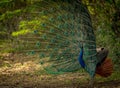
column 1, row 57
column 40, row 72
column 6, row 46
column 6, row 64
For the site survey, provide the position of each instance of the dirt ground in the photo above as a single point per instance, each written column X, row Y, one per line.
column 36, row 81
column 25, row 73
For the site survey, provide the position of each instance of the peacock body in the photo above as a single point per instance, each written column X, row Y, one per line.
column 63, row 38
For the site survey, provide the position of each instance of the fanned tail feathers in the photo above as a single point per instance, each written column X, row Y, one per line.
column 60, row 30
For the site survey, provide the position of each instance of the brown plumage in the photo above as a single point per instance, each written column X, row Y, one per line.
column 105, row 69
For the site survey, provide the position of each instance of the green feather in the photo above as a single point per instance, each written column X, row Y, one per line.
column 63, row 27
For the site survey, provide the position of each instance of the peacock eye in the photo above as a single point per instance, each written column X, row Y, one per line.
column 72, row 33
column 58, row 36
column 41, row 62
column 43, row 25
column 32, row 52
column 60, row 26
column 59, row 18
column 52, row 40
column 44, row 36
column 44, row 12
column 66, row 25
column 47, row 47
column 35, row 31
column 42, row 55
column 38, row 44
column 52, row 19
column 60, row 7
column 66, row 33
column 52, row 10
column 52, row 30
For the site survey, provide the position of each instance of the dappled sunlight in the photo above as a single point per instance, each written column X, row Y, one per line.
column 26, row 67
column 72, row 76
column 21, row 71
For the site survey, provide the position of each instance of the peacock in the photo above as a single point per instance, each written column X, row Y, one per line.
column 64, row 39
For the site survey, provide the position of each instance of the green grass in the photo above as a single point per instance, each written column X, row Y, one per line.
column 6, row 46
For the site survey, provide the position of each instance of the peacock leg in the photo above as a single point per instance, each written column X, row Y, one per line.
column 91, row 83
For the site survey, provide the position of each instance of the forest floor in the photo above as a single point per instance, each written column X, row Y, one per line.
column 18, row 72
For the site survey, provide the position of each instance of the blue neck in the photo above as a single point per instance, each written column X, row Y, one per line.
column 80, row 58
